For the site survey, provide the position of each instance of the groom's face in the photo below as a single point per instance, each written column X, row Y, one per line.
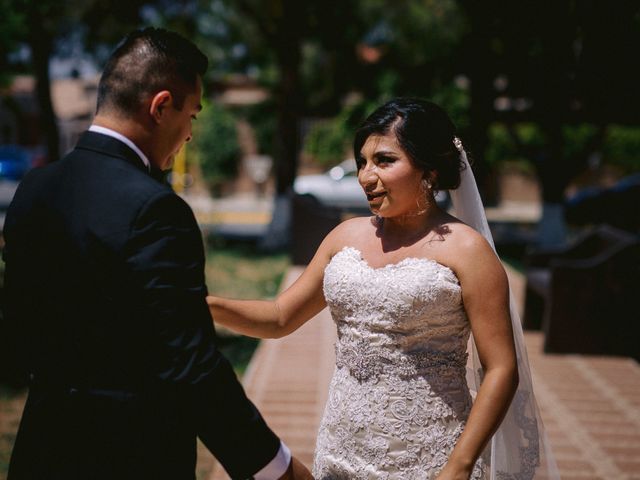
column 176, row 128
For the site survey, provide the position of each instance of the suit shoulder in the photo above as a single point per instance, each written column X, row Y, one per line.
column 115, row 177
column 165, row 203
column 114, row 187
column 32, row 185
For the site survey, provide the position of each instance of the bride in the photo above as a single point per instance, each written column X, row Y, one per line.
column 407, row 288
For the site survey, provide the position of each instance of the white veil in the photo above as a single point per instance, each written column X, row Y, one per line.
column 519, row 450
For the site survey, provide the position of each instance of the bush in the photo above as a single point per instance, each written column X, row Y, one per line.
column 263, row 118
column 455, row 100
column 622, row 147
column 216, row 145
column 503, row 147
column 329, row 141
column 577, row 139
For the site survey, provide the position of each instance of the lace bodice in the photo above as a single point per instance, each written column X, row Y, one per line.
column 398, row 399
column 402, row 318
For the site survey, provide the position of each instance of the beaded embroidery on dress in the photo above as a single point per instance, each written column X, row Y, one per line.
column 398, row 400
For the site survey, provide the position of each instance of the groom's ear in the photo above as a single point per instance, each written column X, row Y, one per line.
column 159, row 103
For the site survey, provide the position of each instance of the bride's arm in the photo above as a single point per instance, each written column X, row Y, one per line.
column 485, row 293
column 289, row 311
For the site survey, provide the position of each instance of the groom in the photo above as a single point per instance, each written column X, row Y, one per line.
column 105, row 289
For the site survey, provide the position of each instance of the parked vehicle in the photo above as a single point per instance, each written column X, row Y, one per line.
column 15, row 161
column 339, row 187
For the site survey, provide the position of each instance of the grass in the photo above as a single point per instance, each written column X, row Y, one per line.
column 241, row 272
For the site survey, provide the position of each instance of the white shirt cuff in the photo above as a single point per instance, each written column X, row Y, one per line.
column 276, row 467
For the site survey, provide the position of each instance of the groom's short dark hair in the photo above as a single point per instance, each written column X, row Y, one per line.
column 146, row 62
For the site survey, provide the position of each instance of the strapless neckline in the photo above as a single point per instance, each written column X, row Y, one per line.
column 390, row 266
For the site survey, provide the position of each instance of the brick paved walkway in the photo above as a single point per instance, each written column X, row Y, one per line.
column 590, row 405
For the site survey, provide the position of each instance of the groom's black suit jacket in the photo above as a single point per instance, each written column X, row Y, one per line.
column 106, row 294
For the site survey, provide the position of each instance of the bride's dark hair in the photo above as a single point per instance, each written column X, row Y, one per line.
column 424, row 131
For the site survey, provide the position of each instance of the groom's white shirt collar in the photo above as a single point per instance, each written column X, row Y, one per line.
column 123, row 139
column 278, row 466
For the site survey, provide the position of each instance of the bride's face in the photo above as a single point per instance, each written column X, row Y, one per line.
column 392, row 183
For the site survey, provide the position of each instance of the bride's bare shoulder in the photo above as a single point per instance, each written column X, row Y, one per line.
column 468, row 249
column 460, row 241
column 349, row 232
column 359, row 224
column 463, row 236
column 464, row 240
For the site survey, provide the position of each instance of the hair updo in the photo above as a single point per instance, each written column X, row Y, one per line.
column 424, row 131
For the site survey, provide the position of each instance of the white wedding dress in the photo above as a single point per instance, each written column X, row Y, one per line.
column 399, row 399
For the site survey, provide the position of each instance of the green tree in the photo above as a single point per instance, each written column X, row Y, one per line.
column 216, row 145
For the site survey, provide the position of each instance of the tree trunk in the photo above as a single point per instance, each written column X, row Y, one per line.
column 552, row 96
column 554, row 176
column 286, row 42
column 287, row 140
column 480, row 114
column 481, row 71
column 40, row 43
column 277, row 236
column 288, row 54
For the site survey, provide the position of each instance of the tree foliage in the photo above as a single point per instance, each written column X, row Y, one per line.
column 216, row 145
column 329, row 142
column 563, row 64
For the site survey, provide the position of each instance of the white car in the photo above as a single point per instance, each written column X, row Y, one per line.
column 339, row 187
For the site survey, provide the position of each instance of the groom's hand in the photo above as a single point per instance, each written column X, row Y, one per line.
column 296, row 471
